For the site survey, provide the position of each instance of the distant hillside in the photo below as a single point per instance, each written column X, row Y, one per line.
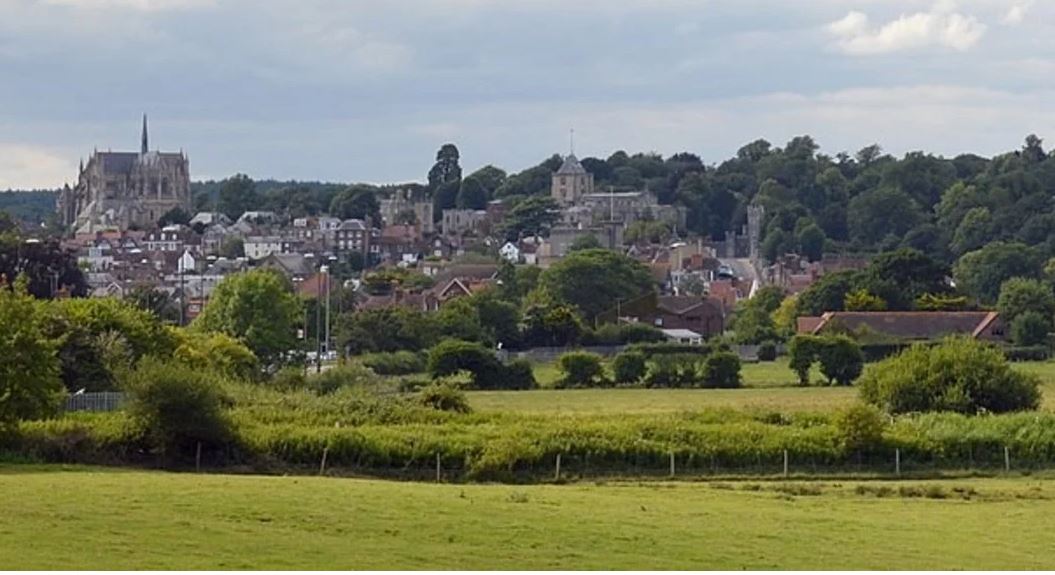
column 33, row 205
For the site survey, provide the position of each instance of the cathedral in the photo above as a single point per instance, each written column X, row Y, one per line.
column 122, row 190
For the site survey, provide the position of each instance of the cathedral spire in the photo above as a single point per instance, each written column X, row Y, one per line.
column 146, row 143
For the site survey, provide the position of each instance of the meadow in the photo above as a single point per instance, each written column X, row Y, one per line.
column 770, row 386
column 86, row 518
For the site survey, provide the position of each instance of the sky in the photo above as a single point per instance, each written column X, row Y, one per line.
column 368, row 90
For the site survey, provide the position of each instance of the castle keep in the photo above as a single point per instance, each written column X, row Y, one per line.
column 122, row 190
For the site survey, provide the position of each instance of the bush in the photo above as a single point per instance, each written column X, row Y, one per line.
column 341, row 376
column 175, row 407
column 721, row 370
column 1030, row 328
column 289, row 379
column 581, row 369
column 444, row 395
column 217, row 352
column 961, row 375
column 841, row 360
column 518, row 374
column 673, row 371
column 629, row 367
column 767, row 351
column 395, row 363
column 860, row 428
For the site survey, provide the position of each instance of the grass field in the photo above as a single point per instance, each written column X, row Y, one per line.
column 86, row 519
column 767, row 386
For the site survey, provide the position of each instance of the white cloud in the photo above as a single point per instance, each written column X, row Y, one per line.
column 25, row 167
column 139, row 5
column 1017, row 13
column 941, row 26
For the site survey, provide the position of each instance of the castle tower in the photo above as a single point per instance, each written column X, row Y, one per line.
column 571, row 182
column 755, row 214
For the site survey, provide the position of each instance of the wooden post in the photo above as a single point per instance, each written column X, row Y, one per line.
column 438, row 476
column 897, row 461
column 322, row 464
column 1007, row 459
column 197, row 459
column 785, row 463
column 557, row 473
column 672, row 464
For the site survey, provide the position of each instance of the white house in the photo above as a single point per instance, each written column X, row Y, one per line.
column 510, row 253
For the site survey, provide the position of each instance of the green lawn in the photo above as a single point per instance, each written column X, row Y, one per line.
column 767, row 386
column 85, row 519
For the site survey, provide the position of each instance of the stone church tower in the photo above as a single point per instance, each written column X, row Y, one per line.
column 121, row 190
column 571, row 182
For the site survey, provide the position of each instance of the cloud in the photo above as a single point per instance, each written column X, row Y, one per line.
column 25, row 167
column 942, row 26
column 1017, row 13
column 138, row 5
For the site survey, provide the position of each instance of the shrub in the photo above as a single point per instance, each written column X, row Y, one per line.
column 841, row 360
column 218, row 352
column 961, row 375
column 767, row 351
column 518, row 374
column 860, row 428
column 174, row 407
column 395, row 363
column 444, row 395
column 29, row 369
column 341, row 376
column 581, row 369
column 1030, row 328
column 673, row 371
column 721, row 370
column 629, row 367
column 289, row 379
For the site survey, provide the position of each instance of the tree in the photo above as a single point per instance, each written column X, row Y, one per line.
column 874, row 214
column 861, row 300
column 489, row 177
column 176, row 215
column 30, row 387
column 961, row 374
column 257, row 308
column 446, row 169
column 1030, row 328
column 532, row 216
column 973, row 232
column 981, row 273
column 802, row 353
column 594, row 281
column 1022, row 295
column 357, row 202
column 586, row 242
column 841, row 360
column 826, row 294
column 472, row 195
column 161, row 304
column 48, row 268
column 385, row 330
column 721, row 370
column 811, row 242
column 237, row 195
column 550, row 324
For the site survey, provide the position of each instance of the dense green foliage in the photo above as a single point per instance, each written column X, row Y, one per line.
column 840, row 358
column 452, row 357
column 257, row 308
column 595, row 280
column 629, row 367
column 961, row 375
column 29, row 367
column 581, row 369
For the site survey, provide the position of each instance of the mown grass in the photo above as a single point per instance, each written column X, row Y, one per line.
column 767, row 386
column 93, row 519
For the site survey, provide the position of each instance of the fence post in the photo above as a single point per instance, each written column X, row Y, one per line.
column 322, row 464
column 785, row 463
column 897, row 461
column 672, row 464
column 556, row 474
column 1007, row 459
column 438, row 476
column 197, row 459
